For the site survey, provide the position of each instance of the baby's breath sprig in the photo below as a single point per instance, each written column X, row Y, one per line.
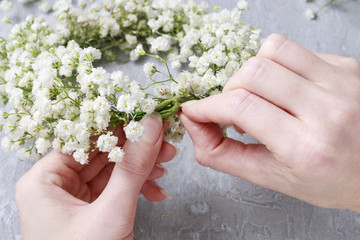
column 312, row 14
column 58, row 98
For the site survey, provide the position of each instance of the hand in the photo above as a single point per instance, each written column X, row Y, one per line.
column 62, row 199
column 304, row 109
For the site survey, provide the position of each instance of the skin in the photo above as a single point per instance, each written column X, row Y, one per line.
column 303, row 108
column 62, row 199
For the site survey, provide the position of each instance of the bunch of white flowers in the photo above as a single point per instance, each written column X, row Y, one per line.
column 57, row 98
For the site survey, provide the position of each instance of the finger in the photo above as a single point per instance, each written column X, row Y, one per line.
column 239, row 130
column 153, row 192
column 262, row 120
column 167, row 152
column 61, row 161
column 166, row 125
column 278, row 85
column 294, row 57
column 94, row 167
column 340, row 61
column 332, row 59
column 252, row 162
column 157, row 172
column 98, row 183
column 129, row 175
column 99, row 160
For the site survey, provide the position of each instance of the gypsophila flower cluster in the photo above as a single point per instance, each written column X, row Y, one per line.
column 57, row 98
column 312, row 14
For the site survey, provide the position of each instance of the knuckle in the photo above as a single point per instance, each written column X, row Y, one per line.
column 202, row 158
column 135, row 166
column 321, row 158
column 240, row 101
column 351, row 62
column 345, row 113
column 273, row 45
column 252, row 70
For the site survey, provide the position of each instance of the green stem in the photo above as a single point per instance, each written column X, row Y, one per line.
column 170, row 107
column 321, row 7
column 116, row 43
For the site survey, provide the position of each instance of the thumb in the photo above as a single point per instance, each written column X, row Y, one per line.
column 128, row 176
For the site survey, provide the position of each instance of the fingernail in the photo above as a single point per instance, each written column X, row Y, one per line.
column 186, row 104
column 166, row 194
column 163, row 191
column 166, row 172
column 153, row 125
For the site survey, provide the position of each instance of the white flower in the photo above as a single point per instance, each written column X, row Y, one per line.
column 45, row 6
column 310, row 14
column 162, row 43
column 131, row 39
column 81, row 156
column 126, row 103
column 6, row 144
column 42, row 145
column 164, row 4
column 52, row 39
column 107, row 142
column 176, row 64
column 149, row 69
column 61, row 6
column 82, row 133
column 90, row 54
column 132, row 18
column 136, row 92
column 148, row 105
column 82, row 4
column 162, row 90
column 6, row 5
column 57, row 144
column 64, row 128
column 120, row 80
column 134, row 55
column 101, row 108
column 218, row 57
column 140, row 49
column 116, row 155
column 24, row 154
column 134, row 131
column 231, row 68
column 243, row 4
column 6, row 20
column 130, row 6
column 175, row 132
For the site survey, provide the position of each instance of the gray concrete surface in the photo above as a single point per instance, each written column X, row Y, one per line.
column 211, row 205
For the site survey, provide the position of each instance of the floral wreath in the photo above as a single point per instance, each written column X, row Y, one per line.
column 57, row 98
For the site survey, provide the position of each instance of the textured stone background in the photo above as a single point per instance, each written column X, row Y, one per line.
column 211, row 205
